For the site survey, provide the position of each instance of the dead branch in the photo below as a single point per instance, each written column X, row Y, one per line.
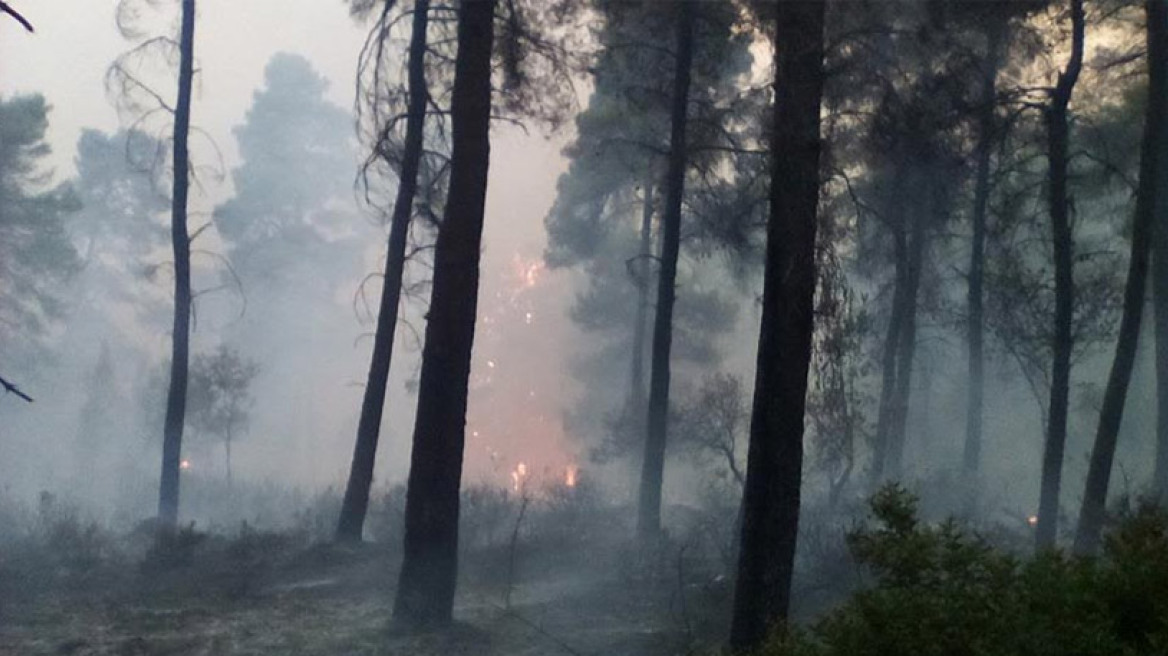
column 10, row 387
column 24, row 23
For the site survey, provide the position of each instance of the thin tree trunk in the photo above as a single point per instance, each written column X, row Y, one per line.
column 653, row 465
column 906, row 348
column 227, row 458
column 1093, row 510
column 888, row 361
column 429, row 572
column 637, row 408
column 775, row 460
column 975, row 400
column 176, row 399
column 643, row 269
column 1064, row 249
column 356, row 502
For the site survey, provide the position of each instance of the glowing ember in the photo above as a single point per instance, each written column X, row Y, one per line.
column 528, row 271
column 491, row 364
column 528, row 318
column 570, row 475
column 1032, row 520
column 184, row 464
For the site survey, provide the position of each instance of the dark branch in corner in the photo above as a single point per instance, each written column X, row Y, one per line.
column 9, row 387
column 24, row 22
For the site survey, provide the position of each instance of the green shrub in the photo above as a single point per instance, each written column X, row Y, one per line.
column 941, row 591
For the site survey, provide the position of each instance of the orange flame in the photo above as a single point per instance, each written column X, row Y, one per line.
column 519, row 476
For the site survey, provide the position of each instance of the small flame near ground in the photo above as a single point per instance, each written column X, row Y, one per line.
column 184, row 464
column 1032, row 520
column 519, row 476
column 570, row 475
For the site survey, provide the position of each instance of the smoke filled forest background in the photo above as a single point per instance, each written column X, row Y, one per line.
column 782, row 327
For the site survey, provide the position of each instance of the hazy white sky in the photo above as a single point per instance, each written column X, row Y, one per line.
column 76, row 41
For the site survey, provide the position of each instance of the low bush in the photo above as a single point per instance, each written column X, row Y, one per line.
column 941, row 590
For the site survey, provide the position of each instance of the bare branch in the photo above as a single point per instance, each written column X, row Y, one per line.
column 12, row 388
column 5, row 8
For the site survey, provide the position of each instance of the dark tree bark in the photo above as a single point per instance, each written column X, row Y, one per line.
column 11, row 388
column 900, row 340
column 907, row 343
column 653, row 465
column 1057, row 131
column 429, row 572
column 1092, row 513
column 356, row 502
column 888, row 361
column 176, row 399
column 5, row 8
column 774, row 469
column 986, row 134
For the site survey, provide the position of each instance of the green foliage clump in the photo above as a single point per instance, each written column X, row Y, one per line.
column 941, row 590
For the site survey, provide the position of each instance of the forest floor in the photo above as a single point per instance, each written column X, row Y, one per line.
column 333, row 601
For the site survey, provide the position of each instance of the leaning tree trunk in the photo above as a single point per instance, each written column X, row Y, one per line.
column 653, row 465
column 1152, row 150
column 975, row 400
column 1064, row 247
column 176, row 399
column 356, row 501
column 907, row 346
column 774, row 469
column 429, row 572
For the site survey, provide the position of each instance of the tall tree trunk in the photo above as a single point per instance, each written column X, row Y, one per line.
column 775, row 459
column 1147, row 201
column 888, row 358
column 975, row 400
column 643, row 271
column 1064, row 248
column 356, row 501
column 907, row 345
column 176, row 398
column 653, row 465
column 429, row 572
